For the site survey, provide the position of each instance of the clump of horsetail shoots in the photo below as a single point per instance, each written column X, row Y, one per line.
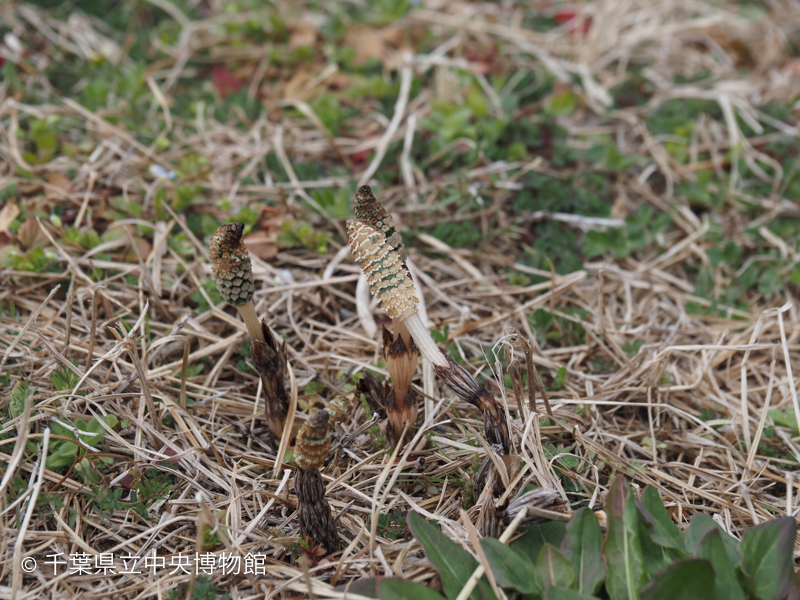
column 390, row 281
column 310, row 452
column 233, row 274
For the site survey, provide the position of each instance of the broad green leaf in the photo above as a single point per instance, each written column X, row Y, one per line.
column 509, row 568
column 582, row 545
column 560, row 593
column 553, row 568
column 767, row 556
column 661, row 540
column 712, row 548
column 58, row 429
column 397, row 589
column 701, row 524
column 454, row 564
column 622, row 551
column 663, row 530
column 531, row 542
column 61, row 455
column 654, row 556
column 363, row 587
column 688, row 579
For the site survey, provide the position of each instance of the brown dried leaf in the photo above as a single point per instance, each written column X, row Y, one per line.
column 296, row 88
column 303, row 34
column 30, row 235
column 263, row 244
column 8, row 213
column 59, row 186
column 144, row 249
column 366, row 41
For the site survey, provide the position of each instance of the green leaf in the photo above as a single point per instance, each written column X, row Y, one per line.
column 94, row 429
column 582, row 544
column 560, row 593
column 662, row 529
column 363, row 587
column 701, row 524
column 454, row 564
column 712, row 548
column 654, row 556
column 62, row 453
column 688, row 579
column 397, row 589
column 783, row 418
column 560, row 379
column 622, row 551
column 553, row 568
column 563, row 103
column 509, row 568
column 767, row 556
column 660, row 538
column 19, row 395
column 534, row 538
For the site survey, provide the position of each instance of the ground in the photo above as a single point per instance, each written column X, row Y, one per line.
column 615, row 181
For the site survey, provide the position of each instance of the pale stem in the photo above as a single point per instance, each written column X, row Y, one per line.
column 248, row 312
column 422, row 337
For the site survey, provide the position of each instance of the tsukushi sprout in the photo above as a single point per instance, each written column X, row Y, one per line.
column 391, row 283
column 311, row 450
column 233, row 274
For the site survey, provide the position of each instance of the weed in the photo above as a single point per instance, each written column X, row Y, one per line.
column 65, row 379
column 155, row 485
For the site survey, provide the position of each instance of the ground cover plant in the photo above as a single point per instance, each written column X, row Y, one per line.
column 596, row 203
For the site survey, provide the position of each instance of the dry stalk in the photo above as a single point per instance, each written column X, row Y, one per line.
column 534, row 381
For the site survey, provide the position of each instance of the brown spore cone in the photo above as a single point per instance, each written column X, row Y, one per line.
column 311, row 450
column 368, row 210
column 313, row 442
column 230, row 264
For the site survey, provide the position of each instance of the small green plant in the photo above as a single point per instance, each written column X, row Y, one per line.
column 65, row 379
column 86, row 240
column 46, row 502
column 63, row 453
column 642, row 555
column 212, row 537
column 19, row 394
column 211, row 289
column 203, row 590
column 36, row 260
column 42, row 142
column 638, row 233
column 314, row 552
column 392, row 525
column 154, row 486
column 302, row 234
